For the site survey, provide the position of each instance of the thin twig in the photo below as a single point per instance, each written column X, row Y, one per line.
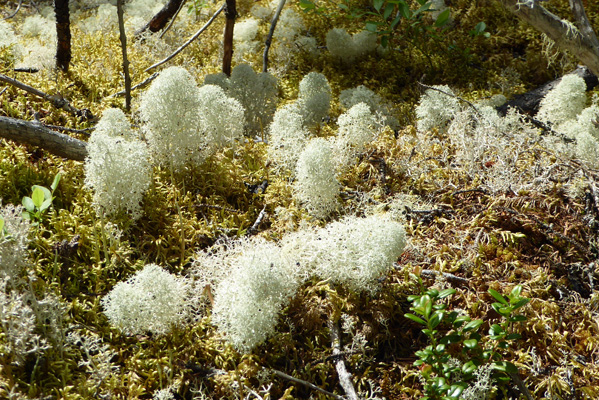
column 452, row 95
column 344, row 376
column 3, row 90
column 273, row 25
column 446, row 275
column 16, row 11
column 257, row 223
column 57, row 100
column 184, row 45
column 523, row 389
column 305, row 383
column 139, row 85
column 217, row 207
column 86, row 131
column 172, row 20
column 123, row 38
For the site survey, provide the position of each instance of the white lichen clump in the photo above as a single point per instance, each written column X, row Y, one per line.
column 257, row 93
column 564, row 102
column 244, row 37
column 348, row 48
column 152, row 300
column 436, row 109
column 357, row 128
column 13, row 243
column 287, row 137
column 316, row 186
column 354, row 252
column 248, row 302
column 117, row 167
column 221, row 118
column 314, row 98
column 170, row 112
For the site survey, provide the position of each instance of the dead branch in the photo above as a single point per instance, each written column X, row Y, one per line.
column 305, row 383
column 35, row 134
column 140, row 85
column 16, row 11
column 158, row 21
column 344, row 376
column 271, row 32
column 172, row 20
column 252, row 229
column 57, row 100
column 123, row 37
column 451, row 95
column 184, row 45
column 230, row 14
column 567, row 37
column 450, row 277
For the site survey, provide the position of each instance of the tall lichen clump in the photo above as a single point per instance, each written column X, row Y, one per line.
column 263, row 216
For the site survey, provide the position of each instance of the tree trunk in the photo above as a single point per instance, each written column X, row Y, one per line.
column 582, row 44
column 160, row 20
column 63, row 34
column 231, row 14
column 35, row 134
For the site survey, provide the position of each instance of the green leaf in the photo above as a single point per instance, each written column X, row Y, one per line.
column 513, row 336
column 451, row 338
column 341, row 6
column 1, row 225
column 517, row 290
column 473, row 325
column 446, row 293
column 496, row 331
column 505, row 366
column 471, row 343
column 28, row 204
column 498, row 296
column 480, row 28
column 455, row 391
column 55, row 182
column 38, row 196
column 440, row 348
column 517, row 318
column 404, row 10
column 378, row 4
column 395, row 21
column 520, row 303
column 415, row 318
column 469, row 368
column 427, row 304
column 371, row 26
column 388, row 10
column 436, row 319
column 443, row 18
column 47, row 203
column 307, row 5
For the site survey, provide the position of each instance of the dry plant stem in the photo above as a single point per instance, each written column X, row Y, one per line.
column 56, row 100
column 35, row 134
column 306, row 383
column 123, row 37
column 158, row 21
column 271, row 32
column 230, row 14
column 141, row 85
column 16, row 11
column 344, row 376
column 523, row 389
column 184, row 45
column 86, row 131
column 172, row 19
column 446, row 275
column 451, row 95
column 583, row 47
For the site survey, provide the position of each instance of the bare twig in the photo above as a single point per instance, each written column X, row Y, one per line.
column 57, row 100
column 16, row 11
column 344, row 376
column 446, row 275
column 273, row 25
column 451, row 95
column 140, row 85
column 523, row 389
column 172, row 19
column 230, row 14
column 86, row 131
column 123, row 37
column 305, row 383
column 184, row 45
column 583, row 22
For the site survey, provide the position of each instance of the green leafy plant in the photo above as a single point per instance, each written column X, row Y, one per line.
column 444, row 377
column 479, row 30
column 40, row 200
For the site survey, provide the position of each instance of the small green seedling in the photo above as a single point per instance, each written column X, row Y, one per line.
column 40, row 200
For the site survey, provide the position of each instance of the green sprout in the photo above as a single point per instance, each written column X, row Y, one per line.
column 40, row 200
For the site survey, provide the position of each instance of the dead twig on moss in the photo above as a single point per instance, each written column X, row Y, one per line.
column 140, row 85
column 16, row 11
column 57, row 100
column 452, row 95
column 344, row 376
column 252, row 229
column 306, row 383
column 184, row 45
column 450, row 277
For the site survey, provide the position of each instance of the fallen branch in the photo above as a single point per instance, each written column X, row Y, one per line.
column 57, row 100
column 16, row 11
column 184, row 45
column 344, row 376
column 35, row 134
column 140, row 85
column 305, row 383
column 271, row 32
column 168, row 12
column 165, row 30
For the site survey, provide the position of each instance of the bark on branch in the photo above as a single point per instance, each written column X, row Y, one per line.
column 160, row 20
column 580, row 43
column 33, row 133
